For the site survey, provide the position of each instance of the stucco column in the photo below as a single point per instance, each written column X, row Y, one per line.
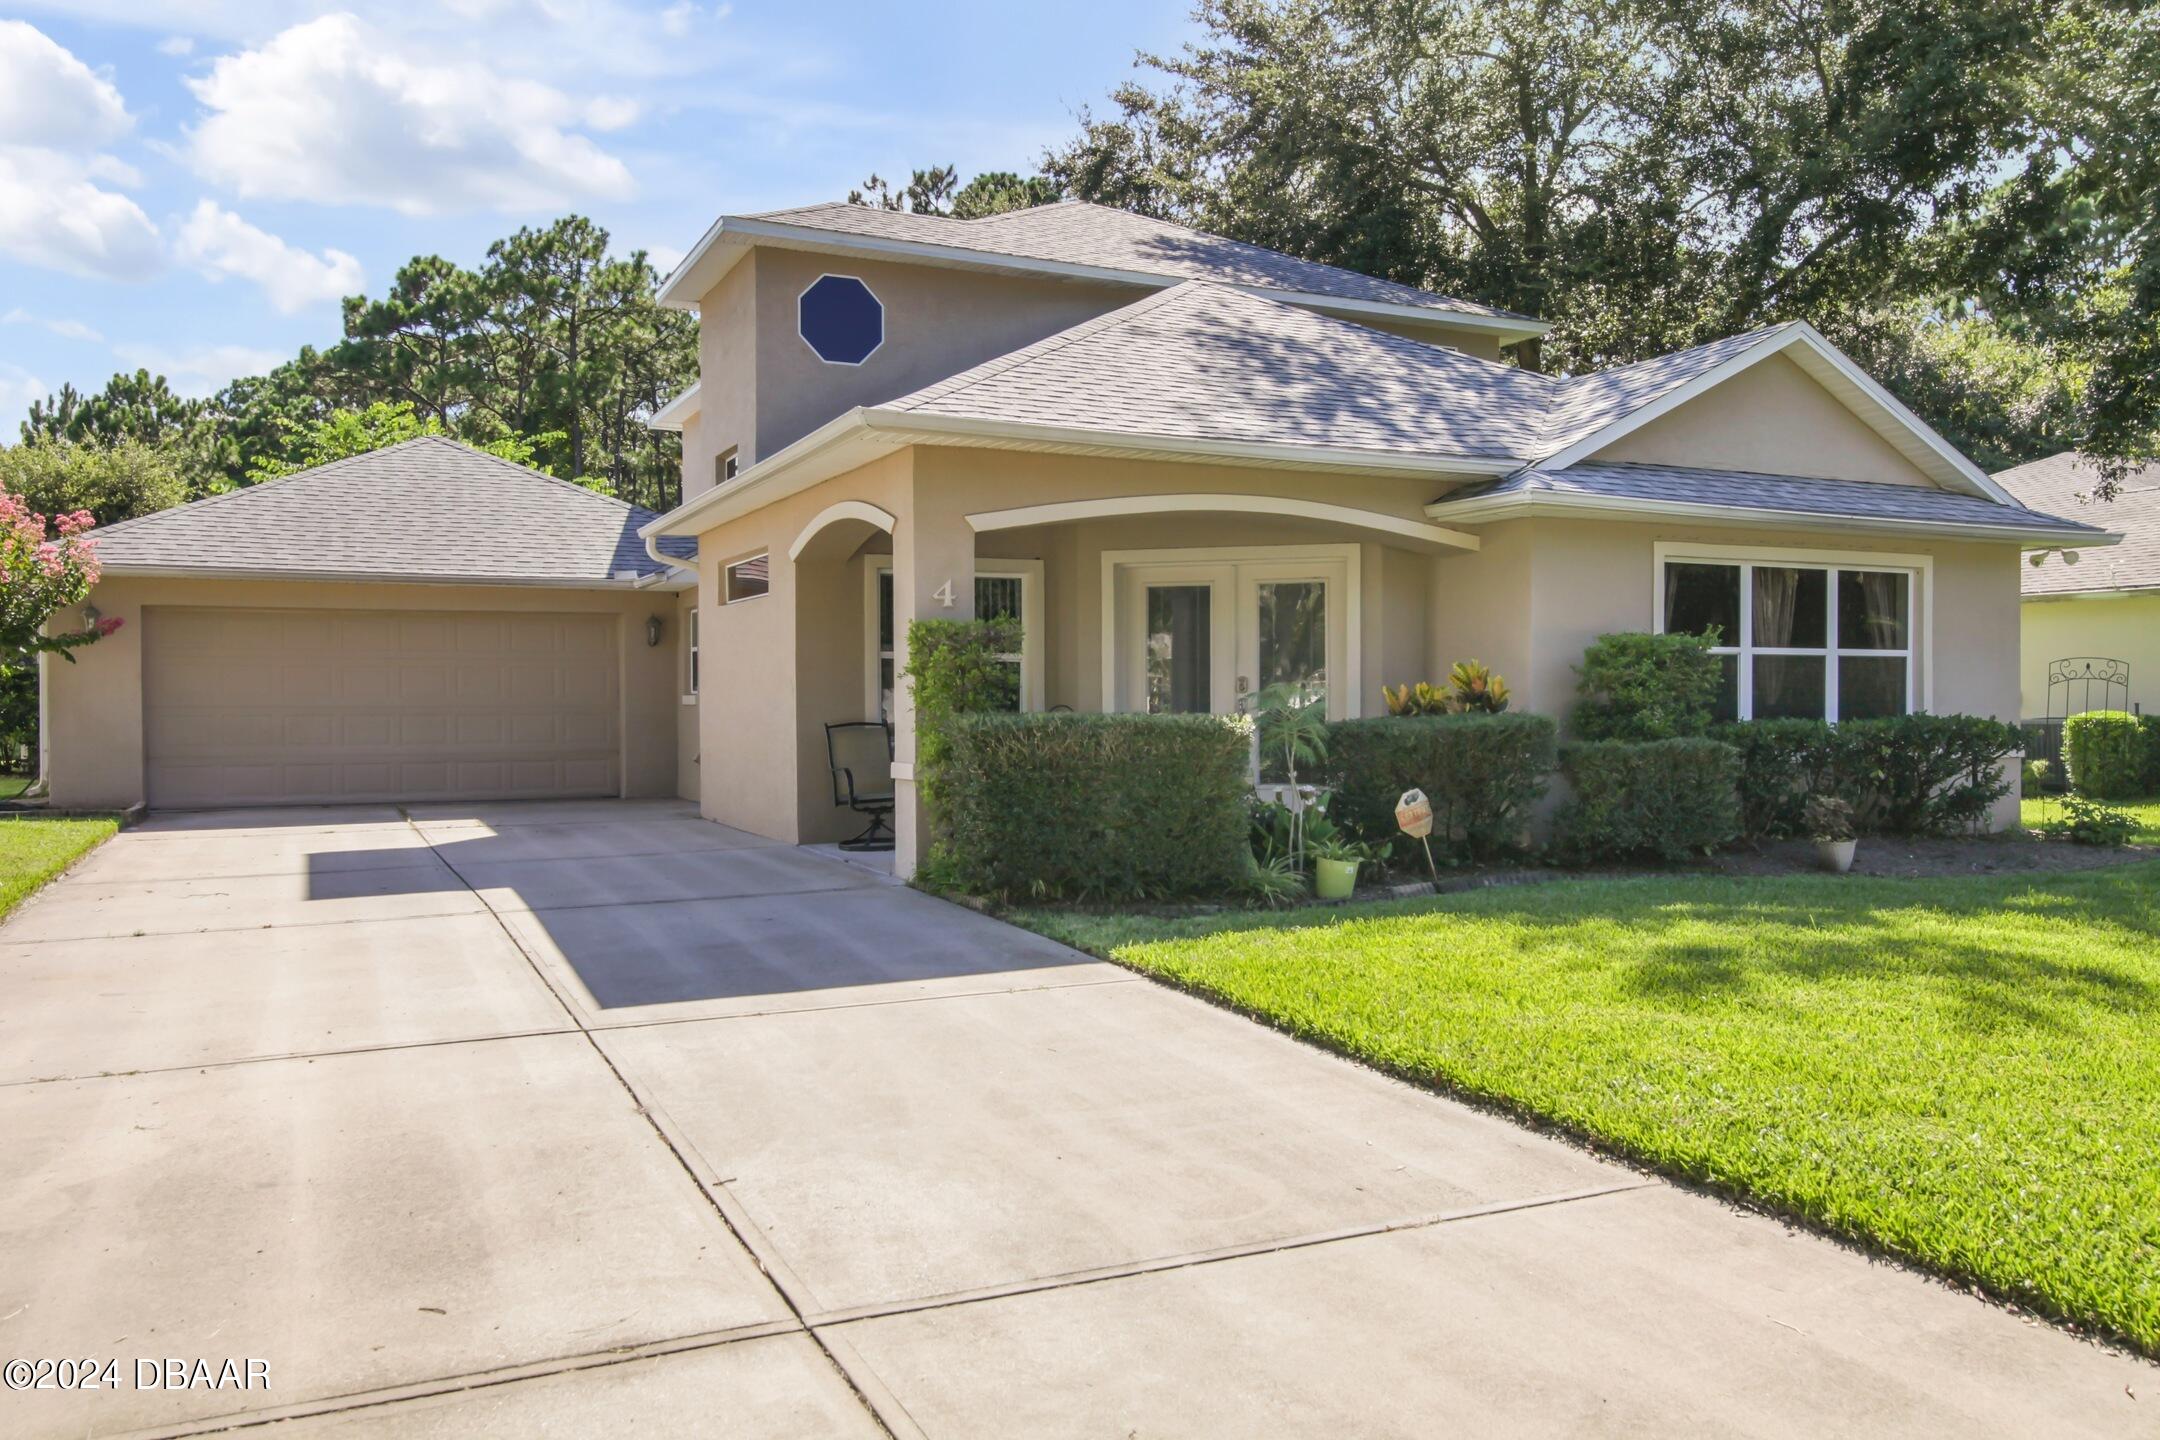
column 933, row 579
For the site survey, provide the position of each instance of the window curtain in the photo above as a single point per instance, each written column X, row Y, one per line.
column 1777, row 595
column 1885, row 626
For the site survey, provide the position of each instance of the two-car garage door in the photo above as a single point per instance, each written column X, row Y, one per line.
column 293, row 706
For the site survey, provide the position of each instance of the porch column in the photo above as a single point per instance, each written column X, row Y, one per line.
column 933, row 579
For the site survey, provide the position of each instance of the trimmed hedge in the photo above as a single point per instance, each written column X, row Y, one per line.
column 1483, row 773
column 1637, row 686
column 1924, row 774
column 1782, row 763
column 1668, row 799
column 1097, row 806
column 2110, row 754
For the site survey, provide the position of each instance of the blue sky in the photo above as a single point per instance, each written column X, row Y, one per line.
column 189, row 185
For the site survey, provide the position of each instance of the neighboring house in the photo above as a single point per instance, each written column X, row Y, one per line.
column 1190, row 466
column 2082, row 605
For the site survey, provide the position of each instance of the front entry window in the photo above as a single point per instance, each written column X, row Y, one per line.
column 1179, row 644
column 1293, row 636
column 998, row 595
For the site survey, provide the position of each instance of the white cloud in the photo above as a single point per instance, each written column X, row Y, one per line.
column 66, row 329
column 176, row 45
column 51, row 215
column 203, row 370
column 664, row 258
column 219, row 243
column 50, row 99
column 329, row 111
column 18, row 387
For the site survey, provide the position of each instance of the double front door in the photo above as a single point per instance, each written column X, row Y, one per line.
column 1210, row 635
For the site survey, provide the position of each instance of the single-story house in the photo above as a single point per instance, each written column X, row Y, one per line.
column 2090, row 619
column 1190, row 467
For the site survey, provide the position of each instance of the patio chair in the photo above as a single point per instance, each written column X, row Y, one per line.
column 860, row 753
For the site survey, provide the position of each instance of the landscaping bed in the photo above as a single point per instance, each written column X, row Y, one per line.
column 33, row 849
column 1964, row 1072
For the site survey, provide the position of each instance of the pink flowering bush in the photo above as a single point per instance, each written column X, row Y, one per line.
column 41, row 574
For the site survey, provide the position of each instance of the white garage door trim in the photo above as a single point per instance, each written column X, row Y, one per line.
column 291, row 706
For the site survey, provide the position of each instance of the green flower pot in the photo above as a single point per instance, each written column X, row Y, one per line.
column 1335, row 879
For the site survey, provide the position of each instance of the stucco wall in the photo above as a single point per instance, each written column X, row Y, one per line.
column 2125, row 628
column 1774, row 419
column 94, row 708
column 727, row 377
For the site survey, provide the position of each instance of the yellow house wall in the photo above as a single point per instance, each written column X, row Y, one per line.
column 94, row 708
column 2125, row 628
column 1774, row 419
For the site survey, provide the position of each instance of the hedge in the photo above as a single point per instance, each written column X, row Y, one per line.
column 1483, row 773
column 1782, row 763
column 1637, row 686
column 1667, row 799
column 1924, row 774
column 1097, row 806
column 2110, row 754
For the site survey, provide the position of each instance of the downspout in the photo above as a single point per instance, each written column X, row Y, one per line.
column 667, row 564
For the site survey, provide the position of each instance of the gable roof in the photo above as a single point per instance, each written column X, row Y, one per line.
column 1743, row 496
column 2062, row 485
column 427, row 511
column 1214, row 372
column 1080, row 240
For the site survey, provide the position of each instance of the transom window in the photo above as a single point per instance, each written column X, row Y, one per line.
column 747, row 579
column 1805, row 641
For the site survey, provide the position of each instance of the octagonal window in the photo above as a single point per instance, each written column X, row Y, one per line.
column 840, row 319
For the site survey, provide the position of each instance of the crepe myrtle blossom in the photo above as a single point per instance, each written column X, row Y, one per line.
column 43, row 572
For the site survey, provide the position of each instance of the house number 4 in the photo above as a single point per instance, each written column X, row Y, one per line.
column 943, row 595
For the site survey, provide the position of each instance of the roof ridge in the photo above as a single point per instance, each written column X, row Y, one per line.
column 533, row 471
column 254, row 487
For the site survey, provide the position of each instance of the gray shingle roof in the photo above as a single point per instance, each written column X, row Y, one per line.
column 2060, row 485
column 1586, row 404
column 1076, row 233
column 424, row 510
column 1745, row 490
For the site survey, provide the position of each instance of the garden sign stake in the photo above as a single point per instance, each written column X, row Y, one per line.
column 1413, row 812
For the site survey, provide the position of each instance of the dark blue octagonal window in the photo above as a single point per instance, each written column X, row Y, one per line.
column 840, row 319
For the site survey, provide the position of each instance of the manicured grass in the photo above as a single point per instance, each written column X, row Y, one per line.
column 33, row 850
column 13, row 785
column 1963, row 1072
column 2033, row 810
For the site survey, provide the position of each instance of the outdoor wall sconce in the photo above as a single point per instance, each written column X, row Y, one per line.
column 91, row 615
column 652, row 630
column 2039, row 557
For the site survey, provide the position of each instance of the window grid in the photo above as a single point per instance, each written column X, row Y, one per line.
column 1830, row 652
column 988, row 583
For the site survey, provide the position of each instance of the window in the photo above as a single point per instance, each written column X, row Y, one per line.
column 747, row 579
column 723, row 466
column 1799, row 640
column 998, row 594
column 840, row 320
column 690, row 660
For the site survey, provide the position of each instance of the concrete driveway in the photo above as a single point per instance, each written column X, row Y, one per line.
column 597, row 1118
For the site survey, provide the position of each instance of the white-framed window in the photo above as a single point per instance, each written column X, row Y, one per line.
column 723, row 466
column 1802, row 634
column 1011, row 588
column 746, row 579
column 690, row 654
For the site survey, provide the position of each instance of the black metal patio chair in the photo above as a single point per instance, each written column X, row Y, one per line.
column 860, row 753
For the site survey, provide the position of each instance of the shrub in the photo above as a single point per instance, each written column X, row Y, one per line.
column 1782, row 763
column 1670, row 799
column 2150, row 724
column 1923, row 774
column 1481, row 772
column 1098, row 806
column 2109, row 753
column 1828, row 818
column 955, row 671
column 2086, row 822
column 1647, row 687
column 2039, row 777
column 1472, row 688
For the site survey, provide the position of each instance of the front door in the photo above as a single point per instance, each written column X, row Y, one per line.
column 1209, row 637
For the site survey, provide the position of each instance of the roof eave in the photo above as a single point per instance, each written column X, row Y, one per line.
column 1519, row 505
column 123, row 571
column 677, row 411
column 690, row 281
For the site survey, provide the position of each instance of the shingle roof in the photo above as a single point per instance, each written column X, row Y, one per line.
column 1207, row 362
column 424, row 510
column 1588, row 403
column 1744, row 490
column 1076, row 233
column 2060, row 485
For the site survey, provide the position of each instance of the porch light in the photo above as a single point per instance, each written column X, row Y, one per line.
column 652, row 630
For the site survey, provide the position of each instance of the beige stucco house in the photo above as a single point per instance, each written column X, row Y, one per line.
column 1191, row 467
column 2090, row 619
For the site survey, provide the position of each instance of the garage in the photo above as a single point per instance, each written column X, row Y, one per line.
column 245, row 706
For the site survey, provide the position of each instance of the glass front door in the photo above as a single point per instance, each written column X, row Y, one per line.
column 1212, row 637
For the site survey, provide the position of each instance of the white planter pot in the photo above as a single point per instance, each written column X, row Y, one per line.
column 1835, row 855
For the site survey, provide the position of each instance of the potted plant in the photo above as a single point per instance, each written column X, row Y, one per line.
column 1830, row 824
column 1336, row 858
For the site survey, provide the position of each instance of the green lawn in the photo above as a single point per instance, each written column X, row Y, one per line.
column 1965, row 1072
column 2032, row 812
column 13, row 785
column 33, row 850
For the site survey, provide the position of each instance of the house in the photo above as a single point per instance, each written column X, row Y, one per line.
column 1191, row 467
column 2092, row 620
